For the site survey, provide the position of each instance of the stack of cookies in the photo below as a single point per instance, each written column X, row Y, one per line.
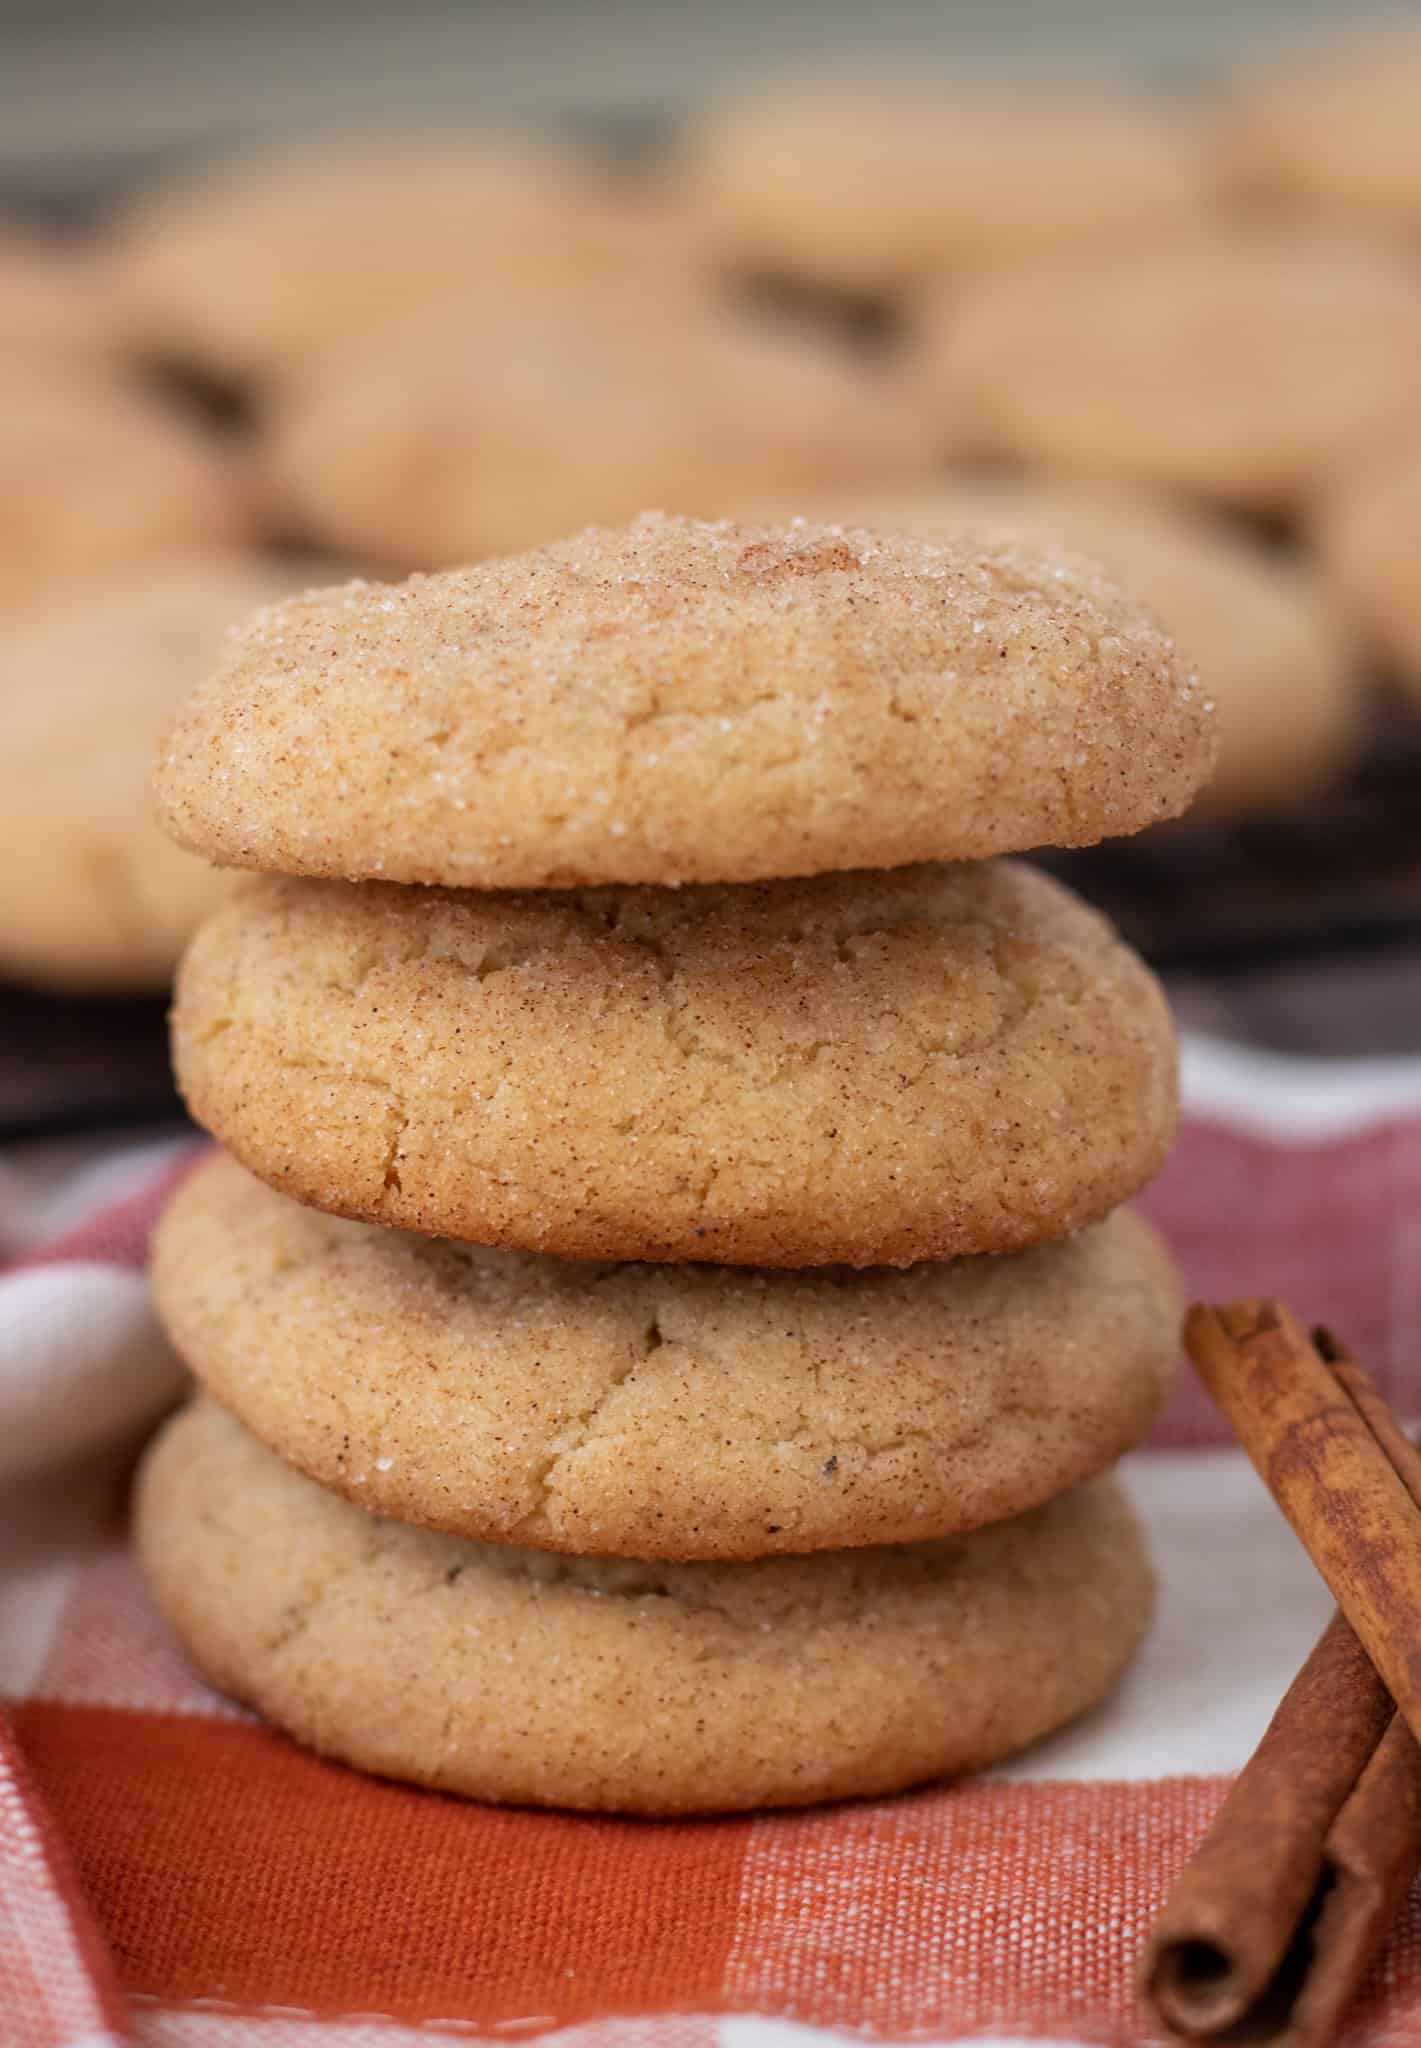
column 608, row 1398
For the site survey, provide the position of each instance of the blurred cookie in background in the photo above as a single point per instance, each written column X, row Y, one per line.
column 474, row 437
column 1335, row 126
column 871, row 186
column 255, row 271
column 1268, row 643
column 94, row 899
column 1369, row 537
column 1248, row 364
column 97, row 476
column 55, row 303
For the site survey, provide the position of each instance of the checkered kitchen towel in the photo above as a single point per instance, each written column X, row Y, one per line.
column 173, row 1873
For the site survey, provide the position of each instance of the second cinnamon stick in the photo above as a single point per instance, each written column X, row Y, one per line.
column 1223, row 1935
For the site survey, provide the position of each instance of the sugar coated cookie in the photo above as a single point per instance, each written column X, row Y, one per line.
column 53, row 302
column 93, row 897
column 258, row 269
column 510, row 1674
column 99, row 478
column 1249, row 364
column 869, row 186
column 862, row 1069
column 675, row 701
column 1336, row 125
column 1260, row 627
column 479, row 435
column 664, row 1411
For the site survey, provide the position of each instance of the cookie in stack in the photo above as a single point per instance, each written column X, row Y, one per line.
column 625, row 1063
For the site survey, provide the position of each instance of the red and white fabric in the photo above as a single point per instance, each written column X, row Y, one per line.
column 174, row 1874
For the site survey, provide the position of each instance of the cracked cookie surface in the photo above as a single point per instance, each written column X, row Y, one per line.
column 510, row 1674
column 664, row 1411
column 1259, row 626
column 676, row 701
column 859, row 1069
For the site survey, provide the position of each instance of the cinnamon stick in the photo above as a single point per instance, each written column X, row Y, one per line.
column 1373, row 1853
column 1270, row 1927
column 1327, row 1472
column 1231, row 1919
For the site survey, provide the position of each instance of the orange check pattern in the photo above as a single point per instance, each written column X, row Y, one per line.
column 174, row 1873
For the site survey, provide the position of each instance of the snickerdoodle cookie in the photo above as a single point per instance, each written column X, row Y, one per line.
column 93, row 897
column 1369, row 536
column 861, row 1069
column 1249, row 365
column 1260, row 627
column 54, row 305
column 870, row 186
column 664, row 1411
column 478, row 435
column 512, row 1674
column 97, row 477
column 1336, row 126
column 675, row 701
column 258, row 269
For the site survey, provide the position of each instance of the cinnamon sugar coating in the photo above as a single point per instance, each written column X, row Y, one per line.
column 859, row 1069
column 664, row 1411
column 509, row 1674
column 676, row 701
column 1260, row 626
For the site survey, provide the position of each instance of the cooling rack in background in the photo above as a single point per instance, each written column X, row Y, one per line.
column 1338, row 874
column 73, row 1066
column 1302, row 932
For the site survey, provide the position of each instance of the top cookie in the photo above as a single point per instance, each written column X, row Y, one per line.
column 675, row 702
column 1270, row 645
